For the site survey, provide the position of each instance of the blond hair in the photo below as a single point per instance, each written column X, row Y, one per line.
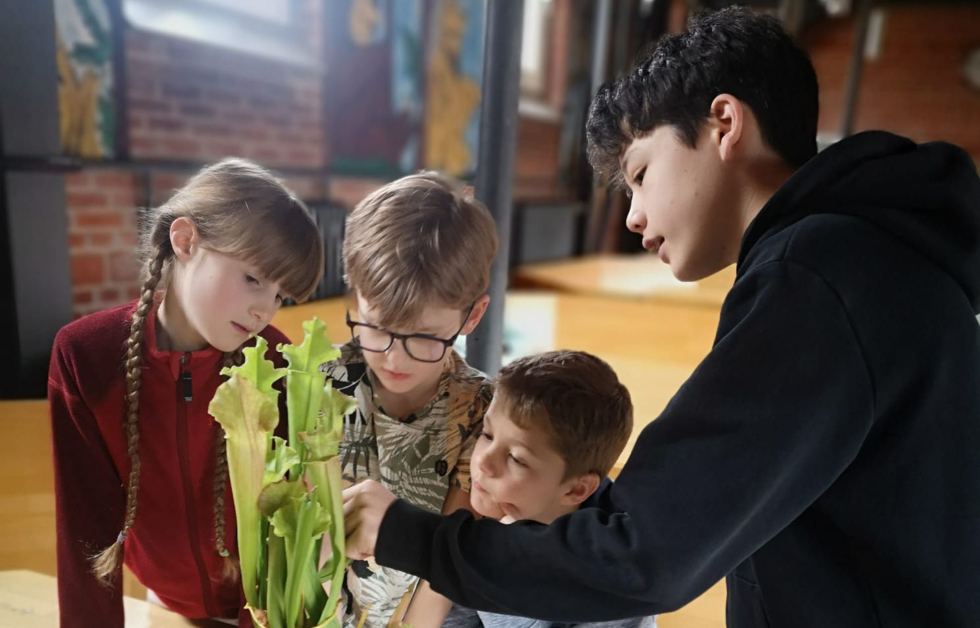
column 238, row 209
column 417, row 241
column 578, row 402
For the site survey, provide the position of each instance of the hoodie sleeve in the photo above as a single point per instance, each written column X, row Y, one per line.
column 766, row 423
column 90, row 502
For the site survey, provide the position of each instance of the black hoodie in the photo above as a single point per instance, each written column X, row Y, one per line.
column 825, row 456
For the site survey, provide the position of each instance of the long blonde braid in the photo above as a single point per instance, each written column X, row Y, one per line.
column 106, row 564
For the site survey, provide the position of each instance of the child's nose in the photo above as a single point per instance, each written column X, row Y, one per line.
column 486, row 466
column 396, row 352
column 263, row 309
column 635, row 221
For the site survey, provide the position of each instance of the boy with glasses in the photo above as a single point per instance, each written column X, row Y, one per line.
column 417, row 254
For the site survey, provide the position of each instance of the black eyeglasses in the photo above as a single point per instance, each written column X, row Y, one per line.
column 421, row 347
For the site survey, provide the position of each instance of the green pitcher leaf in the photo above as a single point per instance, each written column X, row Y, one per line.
column 261, row 372
column 279, row 460
column 248, row 417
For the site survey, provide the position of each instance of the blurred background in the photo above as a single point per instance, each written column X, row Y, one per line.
column 108, row 106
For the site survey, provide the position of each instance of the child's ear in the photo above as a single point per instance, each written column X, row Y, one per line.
column 479, row 309
column 183, row 238
column 727, row 118
column 579, row 488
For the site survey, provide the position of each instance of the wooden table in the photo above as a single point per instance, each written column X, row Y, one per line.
column 30, row 600
column 637, row 276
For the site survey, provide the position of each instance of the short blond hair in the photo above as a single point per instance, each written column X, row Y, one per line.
column 421, row 240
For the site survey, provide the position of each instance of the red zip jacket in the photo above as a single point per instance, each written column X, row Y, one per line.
column 171, row 547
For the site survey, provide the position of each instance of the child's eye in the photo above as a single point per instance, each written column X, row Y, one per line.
column 252, row 280
column 638, row 177
column 278, row 298
column 517, row 461
column 487, row 435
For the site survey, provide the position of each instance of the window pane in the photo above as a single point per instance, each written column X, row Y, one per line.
column 269, row 10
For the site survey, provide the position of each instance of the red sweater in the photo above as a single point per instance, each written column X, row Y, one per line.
column 171, row 547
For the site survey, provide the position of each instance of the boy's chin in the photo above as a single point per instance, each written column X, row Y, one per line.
column 688, row 272
column 484, row 507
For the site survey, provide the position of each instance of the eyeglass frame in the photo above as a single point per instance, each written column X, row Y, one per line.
column 447, row 344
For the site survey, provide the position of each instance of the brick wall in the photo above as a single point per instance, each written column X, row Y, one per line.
column 101, row 238
column 190, row 102
column 915, row 86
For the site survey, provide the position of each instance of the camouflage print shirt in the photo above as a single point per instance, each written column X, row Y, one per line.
column 416, row 459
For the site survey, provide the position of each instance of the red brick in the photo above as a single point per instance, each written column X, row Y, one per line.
column 76, row 181
column 99, row 219
column 133, row 292
column 114, row 180
column 123, row 267
column 264, row 102
column 129, row 238
column 255, row 134
column 221, row 130
column 139, row 87
column 267, row 155
column 86, row 200
column 279, row 121
column 166, row 124
column 82, row 297
column 238, row 117
column 87, row 269
column 143, row 146
column 148, row 105
column 197, row 111
column 100, row 239
column 291, row 138
column 181, row 148
column 304, row 156
column 75, row 240
column 124, row 200
column 168, row 181
column 109, row 296
column 225, row 96
column 225, row 149
column 179, row 91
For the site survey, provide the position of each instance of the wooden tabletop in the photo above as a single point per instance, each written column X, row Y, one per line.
column 638, row 276
column 30, row 600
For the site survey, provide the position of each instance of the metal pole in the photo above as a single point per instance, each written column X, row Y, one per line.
column 601, row 33
column 495, row 165
column 854, row 71
column 598, row 198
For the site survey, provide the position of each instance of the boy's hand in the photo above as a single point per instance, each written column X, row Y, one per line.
column 365, row 505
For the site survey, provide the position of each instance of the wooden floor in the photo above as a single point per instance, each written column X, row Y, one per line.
column 652, row 339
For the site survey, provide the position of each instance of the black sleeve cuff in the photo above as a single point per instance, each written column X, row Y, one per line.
column 405, row 538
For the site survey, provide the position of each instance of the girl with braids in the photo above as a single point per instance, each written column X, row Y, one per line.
column 140, row 469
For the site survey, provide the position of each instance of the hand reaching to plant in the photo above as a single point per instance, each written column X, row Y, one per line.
column 365, row 505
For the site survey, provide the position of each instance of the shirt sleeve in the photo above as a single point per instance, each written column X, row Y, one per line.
column 460, row 477
column 90, row 502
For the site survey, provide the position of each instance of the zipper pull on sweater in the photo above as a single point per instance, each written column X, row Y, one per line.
column 185, row 380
